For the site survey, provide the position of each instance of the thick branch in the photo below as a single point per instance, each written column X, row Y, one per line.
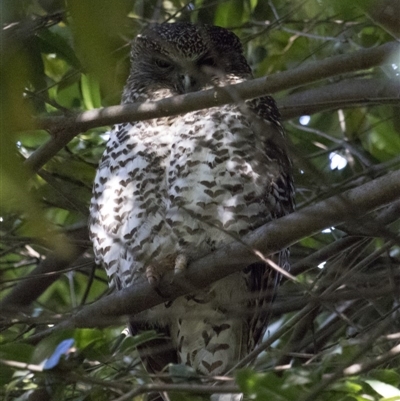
column 64, row 129
column 340, row 95
column 268, row 239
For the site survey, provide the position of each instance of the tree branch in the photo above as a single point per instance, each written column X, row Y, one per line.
column 45, row 274
column 188, row 388
column 267, row 239
column 64, row 129
column 340, row 95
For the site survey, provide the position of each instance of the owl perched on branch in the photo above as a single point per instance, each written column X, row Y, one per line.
column 173, row 189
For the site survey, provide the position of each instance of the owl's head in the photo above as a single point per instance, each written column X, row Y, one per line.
column 172, row 59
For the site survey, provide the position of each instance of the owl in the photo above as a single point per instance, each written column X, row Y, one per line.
column 173, row 189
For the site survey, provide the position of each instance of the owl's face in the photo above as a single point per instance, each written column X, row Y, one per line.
column 172, row 59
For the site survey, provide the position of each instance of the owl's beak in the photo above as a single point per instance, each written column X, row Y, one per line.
column 189, row 83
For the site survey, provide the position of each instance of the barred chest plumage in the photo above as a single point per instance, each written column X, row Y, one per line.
column 185, row 188
column 180, row 188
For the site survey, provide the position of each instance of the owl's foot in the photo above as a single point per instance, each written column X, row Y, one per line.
column 181, row 263
column 152, row 276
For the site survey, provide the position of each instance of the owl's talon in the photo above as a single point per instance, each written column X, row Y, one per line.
column 152, row 276
column 181, row 263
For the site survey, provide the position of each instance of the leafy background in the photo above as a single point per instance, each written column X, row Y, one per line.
column 337, row 319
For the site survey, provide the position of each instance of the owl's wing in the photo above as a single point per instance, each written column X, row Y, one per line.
column 261, row 279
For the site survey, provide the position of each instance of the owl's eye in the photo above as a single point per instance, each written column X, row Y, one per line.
column 163, row 64
column 207, row 62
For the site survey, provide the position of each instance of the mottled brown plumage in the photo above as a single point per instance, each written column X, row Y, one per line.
column 173, row 189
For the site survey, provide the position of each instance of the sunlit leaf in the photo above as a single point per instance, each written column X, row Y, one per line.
column 90, row 92
column 97, row 37
column 385, row 390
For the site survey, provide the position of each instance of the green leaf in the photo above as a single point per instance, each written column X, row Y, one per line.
column 389, row 376
column 6, row 374
column 90, row 92
column 253, row 4
column 266, row 386
column 16, row 352
column 229, row 13
column 384, row 389
column 52, row 42
column 32, row 139
column 181, row 373
column 85, row 337
column 348, row 386
column 131, row 342
column 98, row 36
